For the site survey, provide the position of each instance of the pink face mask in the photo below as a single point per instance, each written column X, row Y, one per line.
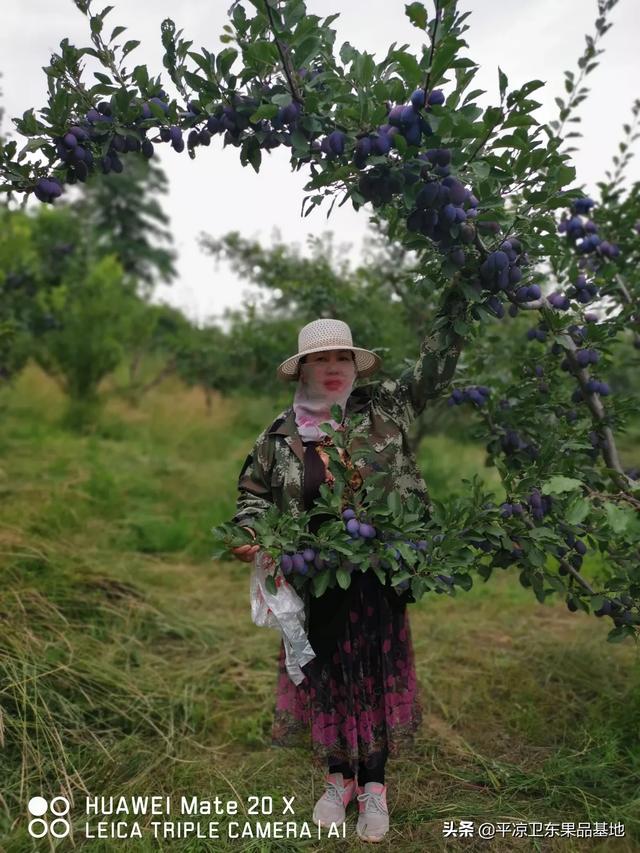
column 323, row 382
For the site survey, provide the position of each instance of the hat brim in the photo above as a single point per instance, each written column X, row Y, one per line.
column 367, row 362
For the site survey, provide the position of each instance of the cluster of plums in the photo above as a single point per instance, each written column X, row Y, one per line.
column 576, row 332
column 536, row 504
column 74, row 147
column 512, row 442
column 477, row 394
column 584, row 357
column 380, row 184
column 584, row 291
column 443, row 204
column 231, row 119
column 306, row 562
column 527, row 293
column 404, row 120
column 47, row 189
column 76, row 154
column 509, row 509
column 583, row 232
column 560, row 301
column 357, row 529
column 538, row 333
column 576, row 545
column 539, row 504
column 592, row 386
column 501, row 270
column 619, row 609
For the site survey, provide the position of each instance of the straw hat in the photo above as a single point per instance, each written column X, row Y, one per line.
column 326, row 334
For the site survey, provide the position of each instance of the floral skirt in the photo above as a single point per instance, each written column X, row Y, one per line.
column 359, row 701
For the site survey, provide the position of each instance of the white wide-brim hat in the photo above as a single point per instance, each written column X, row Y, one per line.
column 326, row 334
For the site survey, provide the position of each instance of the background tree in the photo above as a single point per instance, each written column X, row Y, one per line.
column 126, row 218
column 90, row 311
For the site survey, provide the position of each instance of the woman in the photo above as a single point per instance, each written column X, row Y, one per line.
column 359, row 697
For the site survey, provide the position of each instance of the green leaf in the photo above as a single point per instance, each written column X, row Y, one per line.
column 116, row 32
column 300, row 144
column 225, row 59
column 417, row 14
column 28, row 124
column 347, row 53
column 619, row 518
column 535, row 556
column 409, row 66
column 308, row 49
column 282, row 100
column 394, row 503
column 617, row 635
column 344, row 578
column 250, row 153
column 270, row 584
column 379, row 573
column 463, row 580
column 503, row 82
column 530, row 87
column 443, row 58
column 132, row 44
column 263, row 52
column 559, row 484
column 541, row 533
column 321, row 582
column 255, row 155
column 264, row 111
column 577, row 511
column 156, row 110
column 519, row 120
column 565, row 341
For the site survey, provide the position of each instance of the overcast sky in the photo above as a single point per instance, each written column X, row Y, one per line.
column 536, row 39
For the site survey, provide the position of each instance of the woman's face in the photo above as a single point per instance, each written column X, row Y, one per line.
column 328, row 372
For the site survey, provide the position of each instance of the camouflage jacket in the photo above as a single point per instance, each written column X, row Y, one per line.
column 273, row 471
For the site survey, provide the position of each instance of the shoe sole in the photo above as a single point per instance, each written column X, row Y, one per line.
column 373, row 839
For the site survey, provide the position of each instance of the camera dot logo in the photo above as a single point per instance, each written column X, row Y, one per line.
column 59, row 827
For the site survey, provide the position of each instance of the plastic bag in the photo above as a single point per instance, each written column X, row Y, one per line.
column 284, row 611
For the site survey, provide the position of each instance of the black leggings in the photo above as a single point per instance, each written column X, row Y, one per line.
column 374, row 773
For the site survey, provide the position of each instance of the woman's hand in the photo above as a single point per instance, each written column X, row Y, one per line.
column 246, row 553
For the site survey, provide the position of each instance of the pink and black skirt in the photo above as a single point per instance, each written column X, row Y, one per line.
column 359, row 701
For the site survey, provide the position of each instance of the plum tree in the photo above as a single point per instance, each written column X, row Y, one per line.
column 477, row 206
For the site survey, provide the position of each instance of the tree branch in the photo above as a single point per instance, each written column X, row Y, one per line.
column 625, row 293
column 432, row 51
column 167, row 370
column 284, row 59
column 566, row 565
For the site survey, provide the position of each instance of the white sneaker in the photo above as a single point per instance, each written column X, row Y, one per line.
column 331, row 807
column 373, row 820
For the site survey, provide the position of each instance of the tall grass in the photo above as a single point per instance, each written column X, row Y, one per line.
column 129, row 664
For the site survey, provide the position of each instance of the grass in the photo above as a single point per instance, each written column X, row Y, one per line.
column 129, row 664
